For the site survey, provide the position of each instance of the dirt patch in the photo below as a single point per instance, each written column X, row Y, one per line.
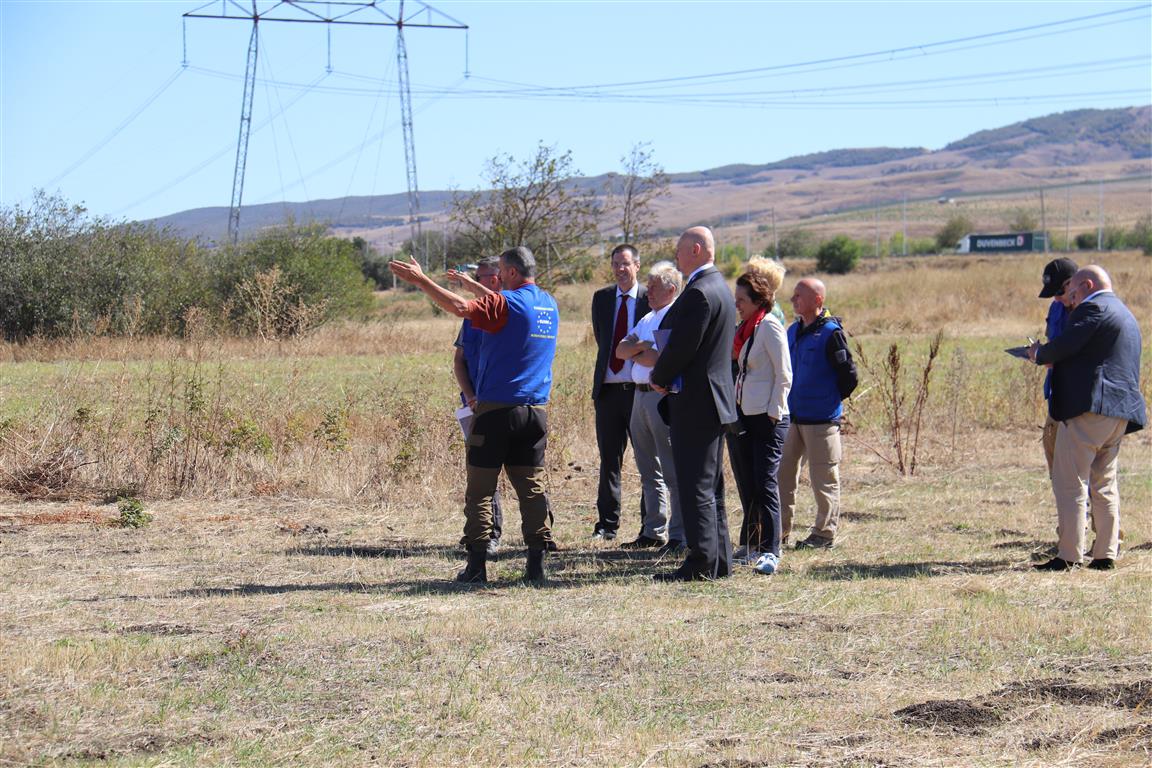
column 1121, row 695
column 159, row 630
column 1136, row 737
column 958, row 715
column 141, row 744
column 806, row 621
column 81, row 513
column 1141, row 547
column 1011, row 532
column 869, row 517
column 1034, row 545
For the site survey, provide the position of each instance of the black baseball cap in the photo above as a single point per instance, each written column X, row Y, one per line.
column 1056, row 273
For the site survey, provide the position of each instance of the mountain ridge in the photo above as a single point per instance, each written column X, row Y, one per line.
column 1055, row 142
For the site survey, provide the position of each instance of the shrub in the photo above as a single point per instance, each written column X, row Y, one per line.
column 1086, row 241
column 314, row 270
column 132, row 514
column 950, row 234
column 838, row 256
column 794, row 244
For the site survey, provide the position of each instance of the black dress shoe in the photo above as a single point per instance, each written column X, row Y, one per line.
column 601, row 534
column 1055, row 564
column 672, row 547
column 642, row 542
column 1102, row 564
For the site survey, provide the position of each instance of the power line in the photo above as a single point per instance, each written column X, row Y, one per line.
column 117, row 130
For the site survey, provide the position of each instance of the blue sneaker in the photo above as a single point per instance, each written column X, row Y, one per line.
column 767, row 564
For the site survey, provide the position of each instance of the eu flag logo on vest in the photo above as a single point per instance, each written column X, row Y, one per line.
column 544, row 323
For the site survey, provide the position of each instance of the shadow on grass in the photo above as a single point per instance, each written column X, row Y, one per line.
column 568, row 571
column 851, row 571
column 390, row 550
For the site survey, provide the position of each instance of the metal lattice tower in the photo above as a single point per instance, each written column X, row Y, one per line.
column 358, row 13
column 409, row 138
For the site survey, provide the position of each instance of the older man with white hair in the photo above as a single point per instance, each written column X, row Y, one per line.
column 1096, row 399
column 663, row 522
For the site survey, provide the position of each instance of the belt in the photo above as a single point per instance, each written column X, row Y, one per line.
column 626, row 385
column 645, row 388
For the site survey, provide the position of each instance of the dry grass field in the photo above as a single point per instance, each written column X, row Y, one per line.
column 291, row 602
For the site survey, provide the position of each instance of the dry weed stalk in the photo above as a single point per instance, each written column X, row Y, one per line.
column 904, row 424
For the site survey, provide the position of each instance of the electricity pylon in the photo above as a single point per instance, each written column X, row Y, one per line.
column 372, row 13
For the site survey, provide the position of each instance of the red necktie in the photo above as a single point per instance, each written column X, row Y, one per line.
column 619, row 333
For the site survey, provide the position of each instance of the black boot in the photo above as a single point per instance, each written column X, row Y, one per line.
column 476, row 572
column 534, row 574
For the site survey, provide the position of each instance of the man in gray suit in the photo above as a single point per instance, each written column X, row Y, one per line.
column 1096, row 399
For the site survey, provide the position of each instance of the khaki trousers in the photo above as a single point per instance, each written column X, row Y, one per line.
column 535, row 514
column 1048, row 438
column 819, row 445
column 1084, row 465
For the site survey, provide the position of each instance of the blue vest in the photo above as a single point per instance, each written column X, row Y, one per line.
column 814, row 397
column 469, row 343
column 517, row 365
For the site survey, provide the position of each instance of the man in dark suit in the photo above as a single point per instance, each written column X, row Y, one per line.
column 698, row 359
column 1096, row 399
column 615, row 312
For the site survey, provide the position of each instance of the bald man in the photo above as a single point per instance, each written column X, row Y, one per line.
column 694, row 371
column 1096, row 400
column 823, row 375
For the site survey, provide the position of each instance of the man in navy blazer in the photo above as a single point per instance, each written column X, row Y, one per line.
column 1096, row 399
column 615, row 311
column 698, row 357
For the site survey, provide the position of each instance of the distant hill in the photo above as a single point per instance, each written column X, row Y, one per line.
column 806, row 185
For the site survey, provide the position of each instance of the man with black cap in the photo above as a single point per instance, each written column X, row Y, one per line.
column 1057, row 273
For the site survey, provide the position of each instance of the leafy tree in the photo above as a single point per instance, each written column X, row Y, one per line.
column 950, row 234
column 794, row 244
column 1085, row 241
column 635, row 190
column 531, row 202
column 838, row 256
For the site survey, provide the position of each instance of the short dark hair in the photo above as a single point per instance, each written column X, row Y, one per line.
column 626, row 247
column 521, row 259
column 492, row 262
column 759, row 289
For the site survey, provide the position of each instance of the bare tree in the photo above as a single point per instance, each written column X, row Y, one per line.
column 633, row 192
column 533, row 202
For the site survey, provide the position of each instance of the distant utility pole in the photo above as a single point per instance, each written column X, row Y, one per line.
column 775, row 240
column 1043, row 221
column 1100, row 220
column 876, row 228
column 363, row 13
column 1067, row 220
column 904, row 216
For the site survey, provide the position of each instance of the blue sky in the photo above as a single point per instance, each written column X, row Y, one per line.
column 95, row 102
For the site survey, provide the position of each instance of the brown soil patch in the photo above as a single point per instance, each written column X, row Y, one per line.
column 959, row 715
column 159, row 630
column 70, row 516
column 1122, row 695
column 1136, row 737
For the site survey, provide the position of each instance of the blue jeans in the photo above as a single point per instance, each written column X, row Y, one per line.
column 755, row 455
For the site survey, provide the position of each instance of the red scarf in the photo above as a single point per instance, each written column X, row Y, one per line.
column 745, row 330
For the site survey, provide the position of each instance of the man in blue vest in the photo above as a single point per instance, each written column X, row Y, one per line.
column 510, row 426
column 1096, row 399
column 823, row 374
column 466, row 364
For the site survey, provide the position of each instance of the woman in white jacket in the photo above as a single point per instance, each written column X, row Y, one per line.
column 763, row 371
